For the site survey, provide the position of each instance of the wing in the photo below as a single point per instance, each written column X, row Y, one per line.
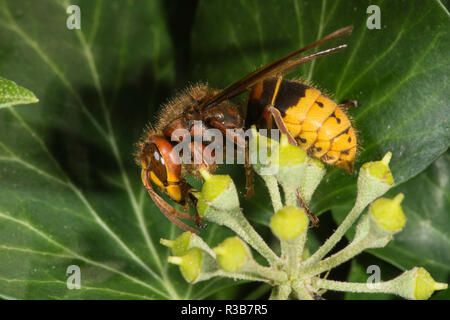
column 277, row 67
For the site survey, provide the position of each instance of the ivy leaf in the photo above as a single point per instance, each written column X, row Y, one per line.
column 12, row 94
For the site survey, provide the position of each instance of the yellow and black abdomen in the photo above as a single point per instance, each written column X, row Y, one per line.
column 314, row 120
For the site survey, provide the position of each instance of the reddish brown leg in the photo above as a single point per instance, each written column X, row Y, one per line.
column 349, row 104
column 268, row 117
column 193, row 201
column 240, row 141
column 312, row 216
column 249, row 183
column 280, row 124
column 170, row 212
column 229, row 134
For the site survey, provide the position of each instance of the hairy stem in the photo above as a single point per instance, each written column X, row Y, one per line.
column 274, row 191
column 236, row 221
column 290, row 195
column 280, row 292
column 383, row 287
column 337, row 259
column 292, row 251
column 253, row 267
column 337, row 235
column 232, row 275
column 301, row 291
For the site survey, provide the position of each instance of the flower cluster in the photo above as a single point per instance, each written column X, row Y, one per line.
column 295, row 273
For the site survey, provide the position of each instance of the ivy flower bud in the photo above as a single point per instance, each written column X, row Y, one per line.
column 218, row 193
column 289, row 223
column 380, row 169
column 314, row 173
column 370, row 235
column 261, row 149
column 187, row 240
column 195, row 265
column 388, row 213
column 416, row 284
column 180, row 245
column 232, row 254
column 375, row 178
column 291, row 163
column 288, row 155
column 190, row 263
column 384, row 218
column 425, row 285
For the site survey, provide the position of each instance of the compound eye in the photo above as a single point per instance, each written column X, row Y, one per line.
column 157, row 163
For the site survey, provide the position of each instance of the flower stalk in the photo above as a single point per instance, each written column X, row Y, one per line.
column 274, row 191
column 292, row 250
column 415, row 284
column 280, row 292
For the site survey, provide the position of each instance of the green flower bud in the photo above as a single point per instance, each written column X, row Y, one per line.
column 218, row 192
column 384, row 218
column 388, row 213
column 214, row 185
column 380, row 169
column 314, row 173
column 289, row 223
column 190, row 263
column 187, row 240
column 287, row 154
column 375, row 178
column 425, row 285
column 231, row 254
column 291, row 163
column 180, row 245
column 370, row 235
column 260, row 150
column 415, row 284
column 315, row 163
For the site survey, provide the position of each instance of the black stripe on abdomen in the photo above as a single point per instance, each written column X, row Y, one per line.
column 288, row 95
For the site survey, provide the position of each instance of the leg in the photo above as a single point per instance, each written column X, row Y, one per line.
column 275, row 113
column 193, row 201
column 170, row 212
column 312, row 216
column 348, row 104
column 248, row 174
column 280, row 124
column 240, row 142
column 196, row 145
